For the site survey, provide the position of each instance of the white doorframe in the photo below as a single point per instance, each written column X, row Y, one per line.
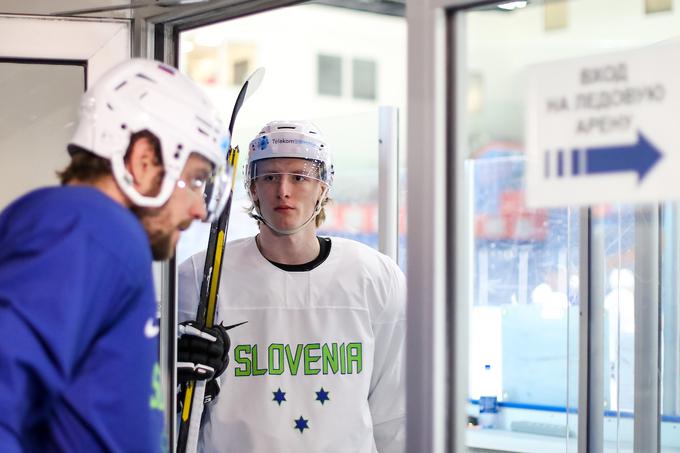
column 100, row 43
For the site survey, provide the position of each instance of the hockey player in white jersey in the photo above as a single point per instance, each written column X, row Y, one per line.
column 319, row 367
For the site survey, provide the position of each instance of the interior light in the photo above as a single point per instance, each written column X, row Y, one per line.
column 509, row 6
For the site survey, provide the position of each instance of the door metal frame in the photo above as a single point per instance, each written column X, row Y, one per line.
column 107, row 43
column 158, row 36
column 429, row 418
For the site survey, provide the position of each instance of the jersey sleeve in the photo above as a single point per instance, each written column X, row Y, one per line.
column 387, row 395
column 48, row 321
column 190, row 273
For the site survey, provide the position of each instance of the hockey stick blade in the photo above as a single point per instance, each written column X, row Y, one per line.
column 249, row 87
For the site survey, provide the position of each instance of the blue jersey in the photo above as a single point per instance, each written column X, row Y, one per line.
column 78, row 346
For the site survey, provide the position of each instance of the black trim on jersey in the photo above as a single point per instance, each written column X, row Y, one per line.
column 324, row 251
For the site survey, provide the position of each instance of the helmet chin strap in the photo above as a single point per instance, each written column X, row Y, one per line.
column 292, row 231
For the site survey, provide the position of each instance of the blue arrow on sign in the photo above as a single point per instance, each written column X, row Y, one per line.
column 639, row 157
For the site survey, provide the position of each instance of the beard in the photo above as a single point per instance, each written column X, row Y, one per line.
column 159, row 230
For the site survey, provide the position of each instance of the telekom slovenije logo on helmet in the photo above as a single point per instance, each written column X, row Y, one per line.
column 292, row 141
column 264, row 142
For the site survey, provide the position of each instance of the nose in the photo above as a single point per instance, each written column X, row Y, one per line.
column 198, row 209
column 283, row 189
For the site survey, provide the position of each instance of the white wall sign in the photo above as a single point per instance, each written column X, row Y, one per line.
column 605, row 129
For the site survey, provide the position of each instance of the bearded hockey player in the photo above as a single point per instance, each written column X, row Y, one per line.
column 79, row 357
column 319, row 366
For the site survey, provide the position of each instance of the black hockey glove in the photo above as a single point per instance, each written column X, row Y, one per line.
column 202, row 354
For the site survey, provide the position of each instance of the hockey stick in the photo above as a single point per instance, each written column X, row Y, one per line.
column 194, row 391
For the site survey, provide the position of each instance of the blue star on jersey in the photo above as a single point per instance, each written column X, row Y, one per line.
column 322, row 396
column 301, row 424
column 279, row 396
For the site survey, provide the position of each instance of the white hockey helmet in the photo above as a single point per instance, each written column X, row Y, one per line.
column 148, row 95
column 299, row 139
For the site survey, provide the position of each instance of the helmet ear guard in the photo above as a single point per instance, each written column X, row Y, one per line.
column 148, row 95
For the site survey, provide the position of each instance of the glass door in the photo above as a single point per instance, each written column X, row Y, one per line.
column 566, row 301
column 45, row 66
column 337, row 67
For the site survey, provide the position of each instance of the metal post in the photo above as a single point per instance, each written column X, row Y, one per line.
column 670, row 301
column 426, row 348
column 591, row 337
column 388, row 181
column 157, row 41
column 647, row 330
column 168, row 348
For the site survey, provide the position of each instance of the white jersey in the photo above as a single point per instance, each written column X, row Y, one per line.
column 319, row 367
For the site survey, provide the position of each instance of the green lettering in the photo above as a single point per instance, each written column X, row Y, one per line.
column 354, row 357
column 330, row 358
column 343, row 369
column 335, row 358
column 295, row 364
column 309, row 359
column 157, row 401
column 278, row 367
column 257, row 371
column 245, row 361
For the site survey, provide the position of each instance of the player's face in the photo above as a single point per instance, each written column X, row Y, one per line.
column 163, row 225
column 286, row 191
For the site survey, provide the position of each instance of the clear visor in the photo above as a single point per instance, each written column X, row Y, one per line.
column 213, row 188
column 295, row 170
column 217, row 192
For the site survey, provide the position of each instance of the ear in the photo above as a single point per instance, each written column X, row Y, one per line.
column 144, row 167
column 322, row 193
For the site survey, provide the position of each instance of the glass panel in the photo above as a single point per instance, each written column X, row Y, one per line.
column 524, row 298
column 670, row 328
column 524, row 311
column 616, row 226
column 40, row 104
column 354, row 211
